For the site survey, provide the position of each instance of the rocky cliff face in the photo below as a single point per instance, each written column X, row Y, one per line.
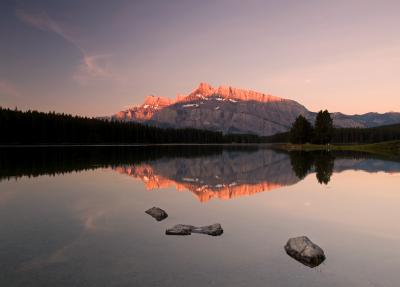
column 233, row 110
column 146, row 111
column 225, row 109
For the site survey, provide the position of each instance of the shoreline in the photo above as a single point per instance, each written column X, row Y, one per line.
column 137, row 145
column 391, row 148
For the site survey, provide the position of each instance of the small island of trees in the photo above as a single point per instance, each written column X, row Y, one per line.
column 303, row 132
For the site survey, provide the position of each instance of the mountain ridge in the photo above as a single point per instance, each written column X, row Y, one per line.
column 234, row 110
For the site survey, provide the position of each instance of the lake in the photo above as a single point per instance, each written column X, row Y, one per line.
column 75, row 216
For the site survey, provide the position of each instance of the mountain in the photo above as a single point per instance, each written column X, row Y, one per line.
column 233, row 110
column 368, row 120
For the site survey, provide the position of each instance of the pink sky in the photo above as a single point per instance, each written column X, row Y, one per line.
column 96, row 57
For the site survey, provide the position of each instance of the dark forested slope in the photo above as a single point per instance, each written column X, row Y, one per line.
column 32, row 127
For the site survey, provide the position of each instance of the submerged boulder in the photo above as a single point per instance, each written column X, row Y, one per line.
column 182, row 229
column 305, row 251
column 157, row 213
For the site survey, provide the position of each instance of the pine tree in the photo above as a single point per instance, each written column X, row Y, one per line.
column 301, row 131
column 323, row 130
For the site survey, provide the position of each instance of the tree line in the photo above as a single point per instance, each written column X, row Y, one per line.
column 367, row 135
column 33, row 127
column 324, row 132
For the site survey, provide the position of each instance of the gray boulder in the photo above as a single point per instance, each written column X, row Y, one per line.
column 157, row 213
column 305, row 251
column 182, row 229
column 179, row 229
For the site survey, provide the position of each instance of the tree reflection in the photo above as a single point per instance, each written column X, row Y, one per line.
column 302, row 163
column 322, row 162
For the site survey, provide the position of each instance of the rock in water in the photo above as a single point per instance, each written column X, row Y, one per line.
column 182, row 229
column 157, row 213
column 213, row 229
column 305, row 251
column 179, row 229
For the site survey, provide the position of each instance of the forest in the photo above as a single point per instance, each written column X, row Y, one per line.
column 33, row 127
column 352, row 135
column 366, row 135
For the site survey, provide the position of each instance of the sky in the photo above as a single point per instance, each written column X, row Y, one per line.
column 96, row 57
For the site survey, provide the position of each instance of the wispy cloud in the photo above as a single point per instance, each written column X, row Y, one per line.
column 43, row 22
column 92, row 66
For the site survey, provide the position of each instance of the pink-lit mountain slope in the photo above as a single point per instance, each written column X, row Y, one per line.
column 233, row 110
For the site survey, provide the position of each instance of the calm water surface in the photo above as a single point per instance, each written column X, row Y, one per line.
column 75, row 217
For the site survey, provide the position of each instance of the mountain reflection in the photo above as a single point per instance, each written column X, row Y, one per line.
column 209, row 172
column 235, row 173
column 227, row 175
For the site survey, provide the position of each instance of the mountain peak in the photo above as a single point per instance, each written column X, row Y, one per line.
column 204, row 85
column 204, row 89
column 229, row 92
column 157, row 101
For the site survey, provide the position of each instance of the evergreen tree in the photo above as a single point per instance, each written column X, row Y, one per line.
column 301, row 131
column 323, row 130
